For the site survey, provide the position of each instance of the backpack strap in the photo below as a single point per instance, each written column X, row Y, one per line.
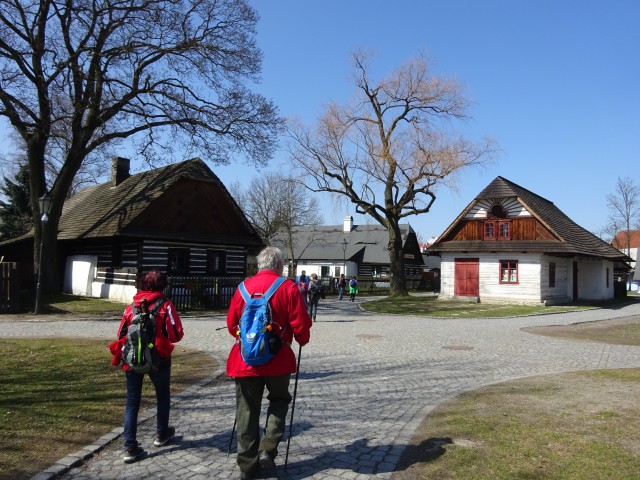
column 267, row 295
column 274, row 287
column 156, row 306
column 244, row 293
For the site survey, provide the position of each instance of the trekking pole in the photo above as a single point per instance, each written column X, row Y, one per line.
column 232, row 432
column 293, row 407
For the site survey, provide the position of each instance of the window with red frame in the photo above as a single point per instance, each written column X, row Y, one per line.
column 489, row 230
column 508, row 271
column 505, row 230
column 497, row 230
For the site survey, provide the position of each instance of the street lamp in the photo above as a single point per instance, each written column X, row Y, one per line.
column 44, row 202
column 344, row 256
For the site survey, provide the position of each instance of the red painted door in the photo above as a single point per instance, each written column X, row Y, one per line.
column 466, row 277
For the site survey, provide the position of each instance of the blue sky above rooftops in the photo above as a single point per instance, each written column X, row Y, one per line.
column 555, row 82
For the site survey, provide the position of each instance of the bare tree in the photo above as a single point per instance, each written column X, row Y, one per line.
column 624, row 213
column 298, row 208
column 276, row 205
column 388, row 151
column 77, row 76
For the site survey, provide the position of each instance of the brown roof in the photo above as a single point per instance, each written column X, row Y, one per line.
column 572, row 239
column 105, row 210
column 620, row 240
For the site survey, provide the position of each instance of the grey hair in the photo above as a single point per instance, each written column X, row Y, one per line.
column 270, row 259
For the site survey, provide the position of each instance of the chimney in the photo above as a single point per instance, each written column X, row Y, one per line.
column 348, row 224
column 119, row 170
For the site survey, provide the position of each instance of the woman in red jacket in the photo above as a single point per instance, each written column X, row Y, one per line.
column 168, row 331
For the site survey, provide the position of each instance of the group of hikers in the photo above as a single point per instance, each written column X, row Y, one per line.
column 281, row 311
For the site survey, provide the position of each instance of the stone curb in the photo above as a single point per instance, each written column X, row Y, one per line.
column 76, row 459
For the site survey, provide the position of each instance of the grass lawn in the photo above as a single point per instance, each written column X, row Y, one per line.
column 430, row 306
column 58, row 395
column 573, row 426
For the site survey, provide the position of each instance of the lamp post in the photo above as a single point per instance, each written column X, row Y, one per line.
column 344, row 256
column 44, row 202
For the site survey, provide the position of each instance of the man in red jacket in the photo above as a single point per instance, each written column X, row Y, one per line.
column 290, row 316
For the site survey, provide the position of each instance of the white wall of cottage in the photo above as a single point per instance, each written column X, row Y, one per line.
column 533, row 278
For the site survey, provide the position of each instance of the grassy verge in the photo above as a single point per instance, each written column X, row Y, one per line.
column 58, row 395
column 64, row 303
column 582, row 425
column 429, row 306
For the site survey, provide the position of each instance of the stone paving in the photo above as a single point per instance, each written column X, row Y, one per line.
column 366, row 382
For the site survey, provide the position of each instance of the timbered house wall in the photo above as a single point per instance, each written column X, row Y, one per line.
column 156, row 255
column 521, row 229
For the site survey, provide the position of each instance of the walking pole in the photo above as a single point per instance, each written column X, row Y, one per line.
column 293, row 407
column 232, row 432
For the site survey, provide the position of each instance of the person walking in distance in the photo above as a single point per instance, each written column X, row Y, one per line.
column 290, row 320
column 168, row 330
column 316, row 292
column 341, row 283
column 353, row 288
column 302, row 281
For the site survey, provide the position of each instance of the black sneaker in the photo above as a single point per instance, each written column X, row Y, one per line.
column 266, row 461
column 133, row 454
column 162, row 440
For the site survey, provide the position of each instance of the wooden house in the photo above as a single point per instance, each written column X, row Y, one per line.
column 179, row 218
column 351, row 249
column 511, row 245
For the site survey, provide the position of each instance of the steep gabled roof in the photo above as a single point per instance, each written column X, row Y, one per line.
column 571, row 238
column 105, row 210
column 364, row 243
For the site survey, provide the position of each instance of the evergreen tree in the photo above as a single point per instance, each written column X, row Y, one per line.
column 15, row 212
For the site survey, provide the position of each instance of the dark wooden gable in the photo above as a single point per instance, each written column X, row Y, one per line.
column 184, row 201
column 192, row 206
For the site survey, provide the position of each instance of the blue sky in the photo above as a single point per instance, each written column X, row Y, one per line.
column 555, row 82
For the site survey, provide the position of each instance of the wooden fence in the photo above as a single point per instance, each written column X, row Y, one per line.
column 202, row 293
column 9, row 287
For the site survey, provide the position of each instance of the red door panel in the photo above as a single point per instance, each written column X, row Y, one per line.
column 466, row 277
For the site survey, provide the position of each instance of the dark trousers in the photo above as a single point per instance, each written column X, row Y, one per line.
column 249, row 392
column 161, row 382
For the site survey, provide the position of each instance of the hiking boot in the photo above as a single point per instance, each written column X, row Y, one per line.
column 266, row 461
column 162, row 440
column 133, row 454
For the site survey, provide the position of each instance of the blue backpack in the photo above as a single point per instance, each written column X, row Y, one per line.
column 258, row 342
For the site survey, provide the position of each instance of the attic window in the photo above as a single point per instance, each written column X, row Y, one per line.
column 497, row 211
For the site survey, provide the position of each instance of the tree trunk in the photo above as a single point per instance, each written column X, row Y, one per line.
column 397, row 287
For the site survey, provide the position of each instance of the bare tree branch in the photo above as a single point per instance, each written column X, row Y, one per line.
column 390, row 149
column 77, row 77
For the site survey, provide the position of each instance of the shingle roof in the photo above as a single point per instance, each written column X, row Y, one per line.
column 572, row 238
column 104, row 210
column 365, row 243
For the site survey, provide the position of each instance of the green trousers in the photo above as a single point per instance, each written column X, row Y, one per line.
column 249, row 392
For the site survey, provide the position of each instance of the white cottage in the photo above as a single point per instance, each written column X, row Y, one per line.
column 511, row 245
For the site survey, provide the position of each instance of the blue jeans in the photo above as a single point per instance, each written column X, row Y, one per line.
column 313, row 308
column 340, row 292
column 161, row 382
